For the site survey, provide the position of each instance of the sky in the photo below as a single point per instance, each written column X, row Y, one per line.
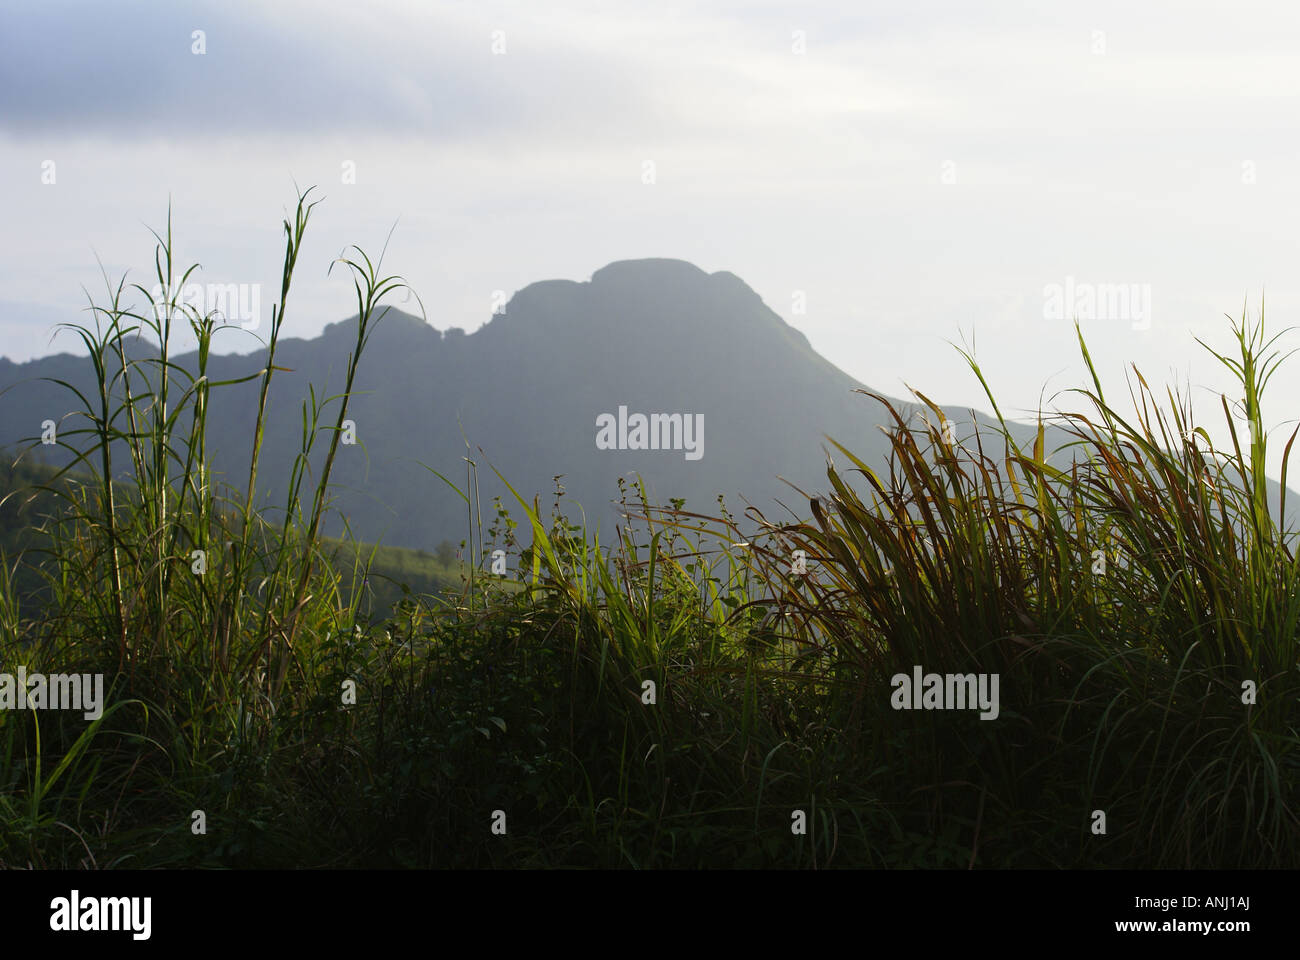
column 892, row 179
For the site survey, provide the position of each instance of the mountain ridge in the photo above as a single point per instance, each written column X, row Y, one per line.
column 657, row 337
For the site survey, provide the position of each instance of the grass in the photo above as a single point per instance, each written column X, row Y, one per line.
column 688, row 693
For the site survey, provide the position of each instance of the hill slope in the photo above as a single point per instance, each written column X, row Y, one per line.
column 651, row 336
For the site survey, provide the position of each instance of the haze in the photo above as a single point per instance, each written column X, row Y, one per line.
column 887, row 179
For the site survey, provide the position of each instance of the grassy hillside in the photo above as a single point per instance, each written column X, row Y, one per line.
column 384, row 574
column 388, row 574
column 694, row 689
column 23, row 508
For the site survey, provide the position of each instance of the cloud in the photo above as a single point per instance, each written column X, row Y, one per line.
column 130, row 71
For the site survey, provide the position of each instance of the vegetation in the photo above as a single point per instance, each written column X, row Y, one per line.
column 670, row 698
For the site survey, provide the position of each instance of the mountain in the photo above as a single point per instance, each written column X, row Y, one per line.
column 656, row 337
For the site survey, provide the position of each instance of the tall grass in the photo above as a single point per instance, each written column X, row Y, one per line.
column 174, row 585
column 678, row 691
column 1125, row 599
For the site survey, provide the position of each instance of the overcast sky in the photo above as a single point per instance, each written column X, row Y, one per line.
column 908, row 173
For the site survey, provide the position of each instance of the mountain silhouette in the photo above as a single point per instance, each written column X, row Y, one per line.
column 654, row 338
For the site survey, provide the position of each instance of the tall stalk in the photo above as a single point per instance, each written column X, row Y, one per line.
column 368, row 299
